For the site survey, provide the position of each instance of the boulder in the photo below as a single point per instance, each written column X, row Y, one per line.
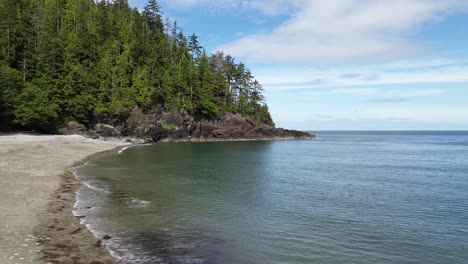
column 157, row 133
column 74, row 128
column 179, row 134
column 105, row 130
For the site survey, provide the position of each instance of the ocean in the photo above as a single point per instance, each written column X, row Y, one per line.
column 346, row 197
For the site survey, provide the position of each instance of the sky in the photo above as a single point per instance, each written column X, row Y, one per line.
column 344, row 64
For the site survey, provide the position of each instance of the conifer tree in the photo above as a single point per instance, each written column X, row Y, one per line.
column 93, row 61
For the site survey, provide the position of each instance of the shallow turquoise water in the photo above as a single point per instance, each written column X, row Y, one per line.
column 347, row 197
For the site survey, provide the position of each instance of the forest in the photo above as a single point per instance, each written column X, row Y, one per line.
column 94, row 61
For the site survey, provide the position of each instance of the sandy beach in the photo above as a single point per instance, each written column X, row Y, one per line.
column 37, row 194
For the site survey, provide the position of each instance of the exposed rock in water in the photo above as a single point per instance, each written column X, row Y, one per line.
column 174, row 126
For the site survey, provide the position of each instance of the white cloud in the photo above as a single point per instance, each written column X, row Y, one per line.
column 404, row 117
column 389, row 96
column 345, row 91
column 428, row 92
column 374, row 95
column 447, row 114
column 312, row 78
column 357, row 91
column 341, row 31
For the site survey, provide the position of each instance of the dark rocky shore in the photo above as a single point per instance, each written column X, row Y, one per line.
column 173, row 126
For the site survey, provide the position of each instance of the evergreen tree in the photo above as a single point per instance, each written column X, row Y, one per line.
column 92, row 61
column 194, row 46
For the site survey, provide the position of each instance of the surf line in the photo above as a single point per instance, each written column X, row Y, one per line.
column 136, row 145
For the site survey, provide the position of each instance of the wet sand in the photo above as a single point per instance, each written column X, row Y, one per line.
column 37, row 193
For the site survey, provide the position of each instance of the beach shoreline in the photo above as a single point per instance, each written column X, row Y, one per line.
column 46, row 229
column 37, row 198
column 60, row 232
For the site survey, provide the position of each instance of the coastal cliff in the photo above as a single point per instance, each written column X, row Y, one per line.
column 169, row 126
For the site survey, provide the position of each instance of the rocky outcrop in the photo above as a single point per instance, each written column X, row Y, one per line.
column 74, row 128
column 139, row 124
column 230, row 126
column 105, row 130
column 236, row 127
column 180, row 126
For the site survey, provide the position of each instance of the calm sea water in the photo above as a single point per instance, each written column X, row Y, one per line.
column 347, row 197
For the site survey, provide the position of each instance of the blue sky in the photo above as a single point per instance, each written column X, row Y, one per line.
column 344, row 64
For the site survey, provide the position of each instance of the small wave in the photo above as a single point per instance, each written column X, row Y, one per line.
column 79, row 209
column 139, row 145
column 135, row 202
column 96, row 188
column 90, row 184
column 123, row 149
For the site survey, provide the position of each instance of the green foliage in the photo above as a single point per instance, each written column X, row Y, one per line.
column 10, row 84
column 208, row 109
column 88, row 61
column 35, row 109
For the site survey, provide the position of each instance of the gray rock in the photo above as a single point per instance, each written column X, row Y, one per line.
column 140, row 124
column 157, row 133
column 169, row 126
column 74, row 128
column 231, row 127
column 172, row 118
column 105, row 130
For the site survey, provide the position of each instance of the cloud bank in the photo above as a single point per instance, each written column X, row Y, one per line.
column 339, row 31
